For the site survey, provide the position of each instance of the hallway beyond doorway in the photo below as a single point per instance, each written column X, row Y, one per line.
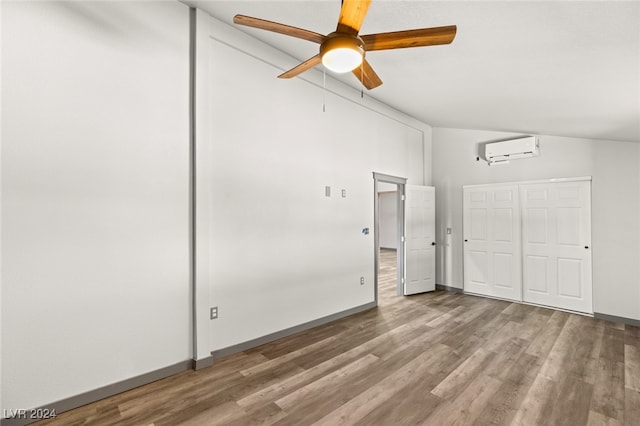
column 387, row 276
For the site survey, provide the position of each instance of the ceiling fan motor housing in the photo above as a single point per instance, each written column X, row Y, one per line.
column 336, row 41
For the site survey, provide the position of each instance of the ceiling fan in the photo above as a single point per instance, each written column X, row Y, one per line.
column 344, row 50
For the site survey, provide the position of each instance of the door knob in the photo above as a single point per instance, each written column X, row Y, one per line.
column 433, row 244
column 466, row 241
column 587, row 247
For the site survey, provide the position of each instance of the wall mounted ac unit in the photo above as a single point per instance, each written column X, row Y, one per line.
column 501, row 152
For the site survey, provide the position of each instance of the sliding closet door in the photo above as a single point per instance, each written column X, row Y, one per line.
column 492, row 248
column 556, row 235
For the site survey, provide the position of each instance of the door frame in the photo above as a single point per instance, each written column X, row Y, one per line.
column 400, row 184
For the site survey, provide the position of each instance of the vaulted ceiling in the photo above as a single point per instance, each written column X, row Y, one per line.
column 566, row 68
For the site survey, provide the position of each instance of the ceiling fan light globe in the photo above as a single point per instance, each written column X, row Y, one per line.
column 342, row 59
column 342, row 53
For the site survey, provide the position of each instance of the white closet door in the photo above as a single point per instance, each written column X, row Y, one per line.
column 492, row 248
column 556, row 235
column 420, row 250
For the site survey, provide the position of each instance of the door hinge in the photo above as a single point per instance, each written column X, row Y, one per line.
column 402, row 280
column 402, row 239
column 403, row 197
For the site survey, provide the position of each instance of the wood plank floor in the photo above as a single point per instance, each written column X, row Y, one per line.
column 440, row 358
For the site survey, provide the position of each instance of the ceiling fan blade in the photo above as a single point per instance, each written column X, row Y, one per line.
column 276, row 27
column 410, row 38
column 367, row 75
column 306, row 65
column 352, row 16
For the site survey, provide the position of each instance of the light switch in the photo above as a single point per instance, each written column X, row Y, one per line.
column 327, row 191
column 448, row 231
column 344, row 193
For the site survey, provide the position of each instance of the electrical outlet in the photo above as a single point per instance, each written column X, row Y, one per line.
column 213, row 312
column 361, row 280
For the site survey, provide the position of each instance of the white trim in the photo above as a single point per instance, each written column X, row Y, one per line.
column 400, row 183
column 527, row 182
column 202, row 190
column 389, row 179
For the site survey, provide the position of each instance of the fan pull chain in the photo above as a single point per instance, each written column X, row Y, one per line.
column 362, row 80
column 324, row 89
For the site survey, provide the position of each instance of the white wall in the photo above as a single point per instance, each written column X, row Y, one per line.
column 284, row 254
column 95, row 195
column 388, row 219
column 615, row 169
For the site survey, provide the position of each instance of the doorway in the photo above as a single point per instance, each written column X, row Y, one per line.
column 388, row 233
column 388, row 240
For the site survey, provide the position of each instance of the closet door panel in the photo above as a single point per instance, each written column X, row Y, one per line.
column 492, row 241
column 556, row 230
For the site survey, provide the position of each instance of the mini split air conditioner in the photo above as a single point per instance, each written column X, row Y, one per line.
column 512, row 149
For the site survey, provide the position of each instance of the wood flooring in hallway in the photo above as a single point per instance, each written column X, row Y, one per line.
column 440, row 358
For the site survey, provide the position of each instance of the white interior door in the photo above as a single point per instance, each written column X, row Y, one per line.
column 556, row 234
column 491, row 216
column 420, row 250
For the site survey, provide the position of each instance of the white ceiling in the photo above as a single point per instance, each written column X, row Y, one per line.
column 566, row 68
